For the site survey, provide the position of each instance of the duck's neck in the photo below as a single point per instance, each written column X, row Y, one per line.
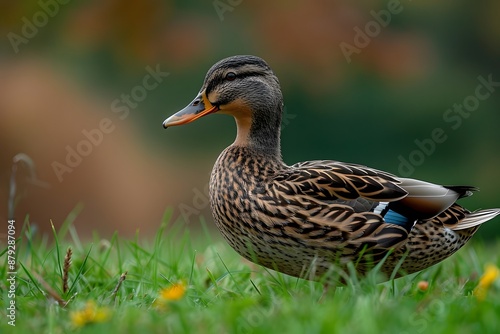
column 260, row 132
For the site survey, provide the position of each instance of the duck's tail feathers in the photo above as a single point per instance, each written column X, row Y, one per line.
column 476, row 218
column 463, row 191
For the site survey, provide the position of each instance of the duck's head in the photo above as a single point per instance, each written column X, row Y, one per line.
column 246, row 88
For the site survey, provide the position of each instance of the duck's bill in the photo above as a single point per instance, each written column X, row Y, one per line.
column 199, row 107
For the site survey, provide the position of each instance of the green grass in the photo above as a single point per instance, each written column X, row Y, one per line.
column 226, row 294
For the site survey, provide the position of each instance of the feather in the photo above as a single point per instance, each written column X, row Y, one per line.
column 476, row 218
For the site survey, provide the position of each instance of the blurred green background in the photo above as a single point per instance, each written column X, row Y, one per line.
column 62, row 66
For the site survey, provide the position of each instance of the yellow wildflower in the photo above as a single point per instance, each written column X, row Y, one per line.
column 91, row 313
column 172, row 293
column 490, row 275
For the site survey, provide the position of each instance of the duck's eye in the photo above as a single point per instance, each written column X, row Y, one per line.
column 230, row 76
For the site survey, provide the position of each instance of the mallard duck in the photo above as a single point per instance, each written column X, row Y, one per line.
column 305, row 219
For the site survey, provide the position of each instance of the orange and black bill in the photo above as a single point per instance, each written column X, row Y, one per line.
column 199, row 107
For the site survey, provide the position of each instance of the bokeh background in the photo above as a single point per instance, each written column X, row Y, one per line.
column 63, row 76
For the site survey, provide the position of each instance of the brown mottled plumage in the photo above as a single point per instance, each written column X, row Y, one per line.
column 315, row 217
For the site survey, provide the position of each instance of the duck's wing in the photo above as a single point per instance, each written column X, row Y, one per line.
column 361, row 186
column 327, row 204
column 352, row 206
column 331, row 180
